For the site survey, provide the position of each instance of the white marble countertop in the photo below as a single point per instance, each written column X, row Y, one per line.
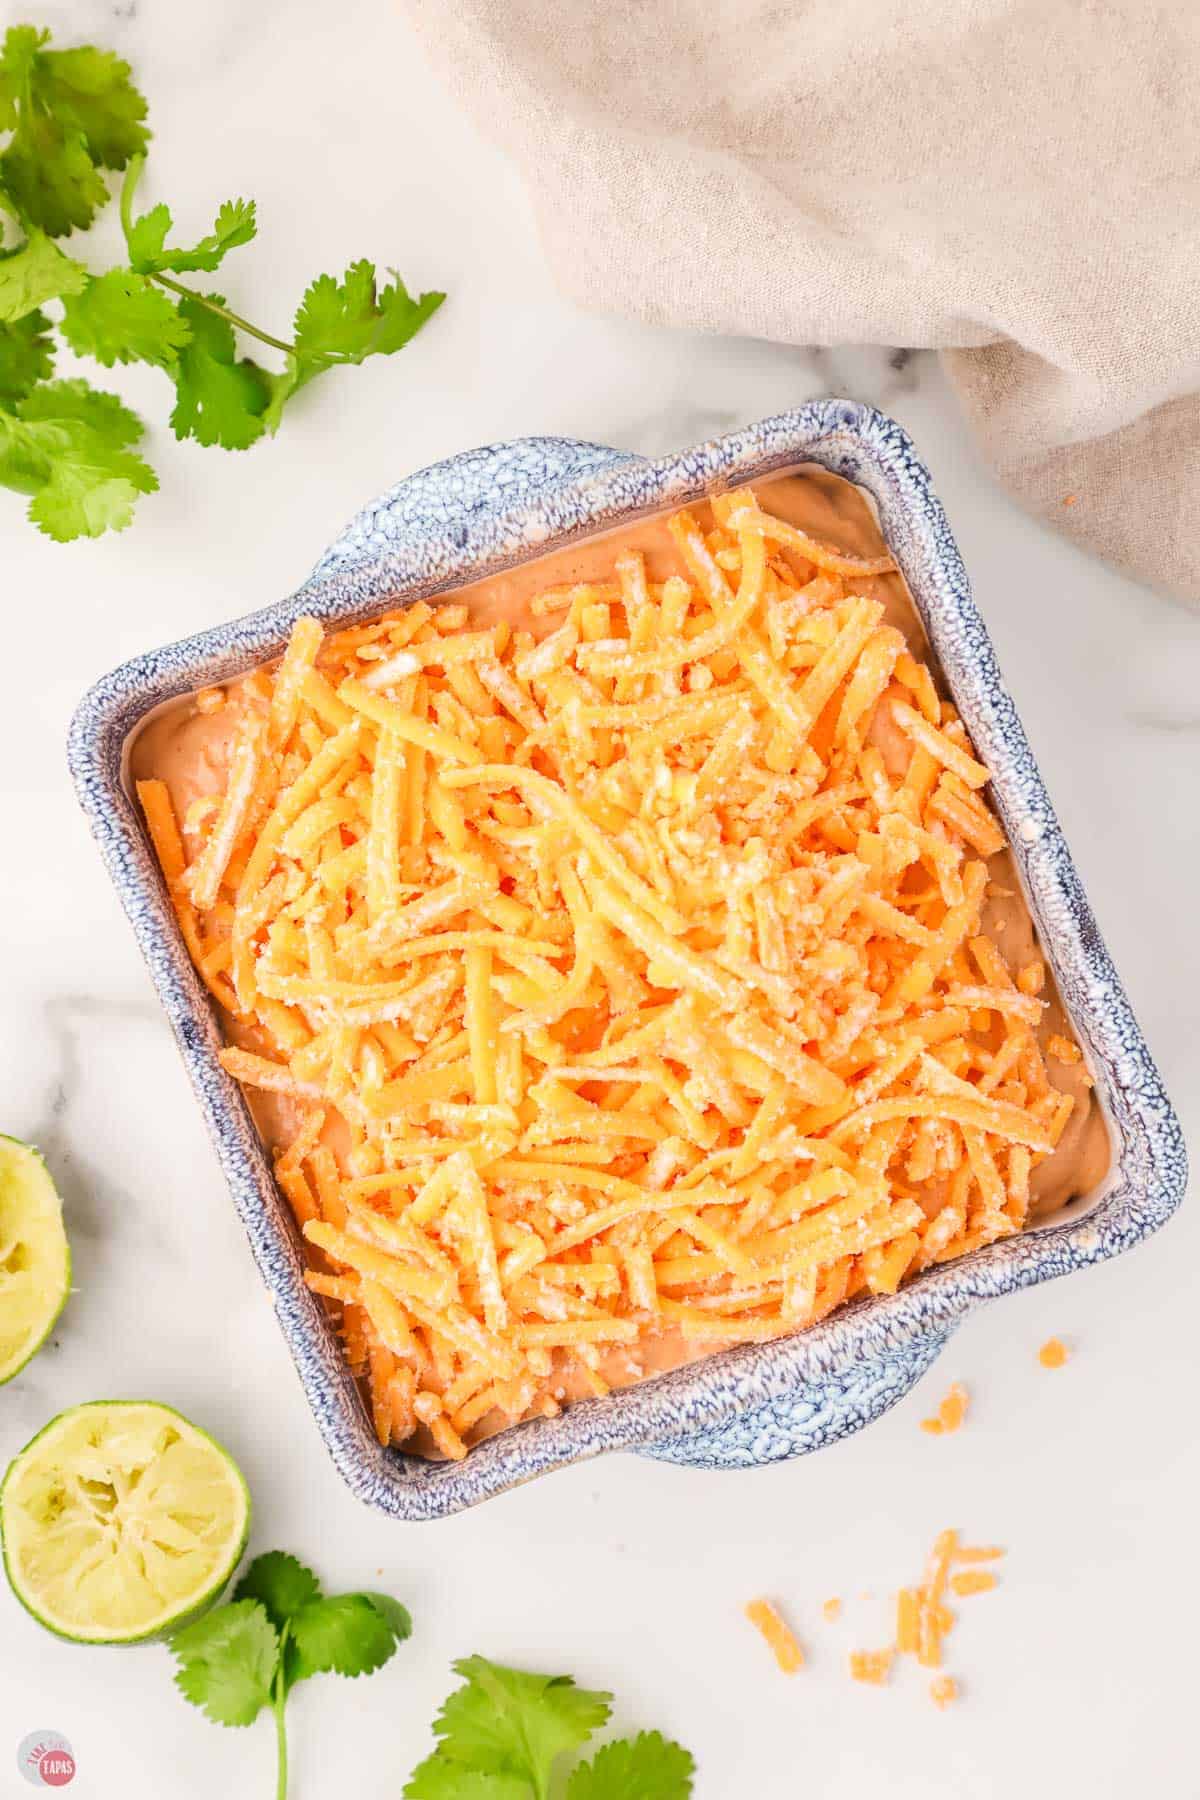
column 1079, row 1673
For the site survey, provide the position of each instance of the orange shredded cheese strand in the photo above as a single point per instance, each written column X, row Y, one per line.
column 951, row 1412
column 930, row 1628
column 908, row 1621
column 819, row 554
column 612, row 977
column 923, row 1620
column 943, row 1691
column 871, row 1666
column 1053, row 1353
column 778, row 1635
column 972, row 1581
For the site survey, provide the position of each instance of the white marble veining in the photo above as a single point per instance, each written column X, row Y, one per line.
column 1078, row 1673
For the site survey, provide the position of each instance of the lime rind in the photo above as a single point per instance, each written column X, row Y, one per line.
column 35, row 1257
column 121, row 1521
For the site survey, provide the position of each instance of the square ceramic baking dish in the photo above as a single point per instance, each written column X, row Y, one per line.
column 487, row 510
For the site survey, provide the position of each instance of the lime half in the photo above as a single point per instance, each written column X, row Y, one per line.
column 120, row 1521
column 35, row 1262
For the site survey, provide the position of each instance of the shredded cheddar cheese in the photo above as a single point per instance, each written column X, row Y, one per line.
column 972, row 1581
column 950, row 1414
column 622, row 977
column 871, row 1666
column 943, row 1691
column 777, row 1634
column 923, row 1620
column 1053, row 1353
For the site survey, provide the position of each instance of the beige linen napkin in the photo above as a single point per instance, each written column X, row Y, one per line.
column 1014, row 181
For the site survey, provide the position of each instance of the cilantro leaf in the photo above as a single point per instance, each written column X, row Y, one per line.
column 280, row 1583
column 26, row 356
column 220, row 400
column 122, row 317
column 441, row 1778
column 227, row 1662
column 71, row 112
column 504, row 1721
column 147, row 239
column 50, row 176
column 345, row 1633
column 91, row 91
column 36, row 271
column 501, row 1735
column 26, row 455
column 17, row 55
column 345, row 322
column 647, row 1767
column 67, row 446
column 396, row 1617
column 91, row 489
column 76, row 401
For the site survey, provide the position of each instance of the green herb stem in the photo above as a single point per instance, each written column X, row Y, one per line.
column 214, row 306
column 278, row 1706
column 133, row 174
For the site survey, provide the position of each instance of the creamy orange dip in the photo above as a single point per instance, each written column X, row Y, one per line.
column 756, row 1038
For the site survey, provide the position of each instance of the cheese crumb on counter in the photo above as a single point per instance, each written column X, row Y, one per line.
column 778, row 1635
column 871, row 1666
column 943, row 1691
column 951, row 1414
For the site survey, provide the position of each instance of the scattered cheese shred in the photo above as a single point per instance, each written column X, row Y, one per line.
column 1053, row 1353
column 778, row 1635
column 871, row 1666
column 943, row 1691
column 950, row 1414
column 923, row 1620
column 618, row 970
column 972, row 1581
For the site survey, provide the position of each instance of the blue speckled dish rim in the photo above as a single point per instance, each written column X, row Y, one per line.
column 415, row 542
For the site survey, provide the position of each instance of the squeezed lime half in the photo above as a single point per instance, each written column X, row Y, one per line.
column 35, row 1259
column 121, row 1520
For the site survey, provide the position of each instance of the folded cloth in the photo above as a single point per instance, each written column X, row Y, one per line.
column 1016, row 182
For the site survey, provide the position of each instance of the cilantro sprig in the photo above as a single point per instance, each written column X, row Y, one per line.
column 279, row 1628
column 67, row 119
column 503, row 1736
